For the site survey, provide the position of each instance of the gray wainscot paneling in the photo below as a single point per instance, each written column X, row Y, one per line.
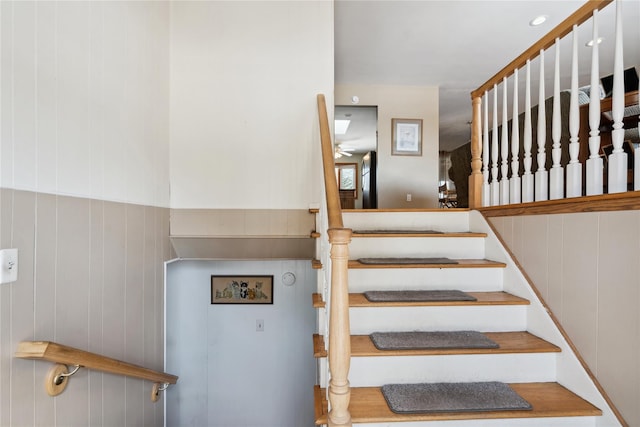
column 587, row 268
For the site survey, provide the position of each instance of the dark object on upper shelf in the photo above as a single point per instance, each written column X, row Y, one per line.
column 630, row 82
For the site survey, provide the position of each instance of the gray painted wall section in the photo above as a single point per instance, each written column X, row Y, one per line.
column 231, row 375
column 90, row 276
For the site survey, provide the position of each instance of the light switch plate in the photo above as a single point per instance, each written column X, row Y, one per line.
column 8, row 265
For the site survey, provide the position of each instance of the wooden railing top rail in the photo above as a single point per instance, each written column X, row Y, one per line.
column 334, row 211
column 565, row 27
column 65, row 355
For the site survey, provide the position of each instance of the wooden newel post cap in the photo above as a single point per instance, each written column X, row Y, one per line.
column 340, row 235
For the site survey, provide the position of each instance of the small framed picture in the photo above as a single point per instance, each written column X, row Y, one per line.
column 241, row 289
column 407, row 137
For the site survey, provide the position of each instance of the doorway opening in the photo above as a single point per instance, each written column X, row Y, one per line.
column 356, row 145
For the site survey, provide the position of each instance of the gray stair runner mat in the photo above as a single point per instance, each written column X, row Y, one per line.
column 452, row 397
column 431, row 340
column 418, row 296
column 418, row 261
column 397, row 232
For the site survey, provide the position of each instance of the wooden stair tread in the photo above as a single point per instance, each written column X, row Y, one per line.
column 462, row 263
column 418, row 233
column 548, row 400
column 482, row 298
column 379, row 210
column 509, row 342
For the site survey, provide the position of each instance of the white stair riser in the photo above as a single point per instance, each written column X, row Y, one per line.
column 464, row 279
column 438, row 221
column 377, row 371
column 510, row 422
column 365, row 320
column 451, row 247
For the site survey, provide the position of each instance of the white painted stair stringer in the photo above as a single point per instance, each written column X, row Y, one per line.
column 464, row 279
column 416, row 247
column 437, row 220
column 380, row 370
column 570, row 372
column 494, row 318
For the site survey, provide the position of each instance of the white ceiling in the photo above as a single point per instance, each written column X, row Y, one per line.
column 458, row 45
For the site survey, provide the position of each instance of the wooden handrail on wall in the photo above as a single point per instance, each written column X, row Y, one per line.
column 339, row 328
column 56, row 380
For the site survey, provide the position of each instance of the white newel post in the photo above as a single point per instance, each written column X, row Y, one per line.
column 542, row 176
column 595, row 164
column 514, row 182
column 618, row 159
column 504, row 149
column 574, row 168
column 495, row 185
column 527, row 176
column 556, row 187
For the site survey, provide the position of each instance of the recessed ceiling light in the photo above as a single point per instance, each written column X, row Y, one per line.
column 538, row 20
column 590, row 42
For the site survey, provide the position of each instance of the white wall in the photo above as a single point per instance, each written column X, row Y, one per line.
column 244, row 79
column 399, row 175
column 85, row 106
column 587, row 268
column 231, row 375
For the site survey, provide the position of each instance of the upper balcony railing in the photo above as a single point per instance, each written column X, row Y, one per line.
column 572, row 126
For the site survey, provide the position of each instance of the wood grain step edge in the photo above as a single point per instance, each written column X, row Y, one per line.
column 316, row 264
column 482, row 298
column 405, row 210
column 317, row 301
column 518, row 342
column 418, row 234
column 548, row 399
column 462, row 263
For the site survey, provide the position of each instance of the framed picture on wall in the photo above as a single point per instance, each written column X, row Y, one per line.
column 241, row 289
column 406, row 137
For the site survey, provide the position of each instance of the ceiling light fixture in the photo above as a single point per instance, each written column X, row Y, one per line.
column 590, row 42
column 538, row 20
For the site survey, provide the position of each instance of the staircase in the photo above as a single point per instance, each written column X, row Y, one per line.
column 533, row 356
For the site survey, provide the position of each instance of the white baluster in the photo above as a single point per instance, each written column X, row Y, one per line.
column 495, row 185
column 574, row 168
column 486, row 189
column 542, row 176
column 527, row 176
column 504, row 148
column 618, row 159
column 556, row 187
column 514, row 182
column 595, row 164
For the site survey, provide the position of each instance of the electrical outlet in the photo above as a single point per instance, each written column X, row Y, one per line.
column 408, row 197
column 8, row 265
column 259, row 325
